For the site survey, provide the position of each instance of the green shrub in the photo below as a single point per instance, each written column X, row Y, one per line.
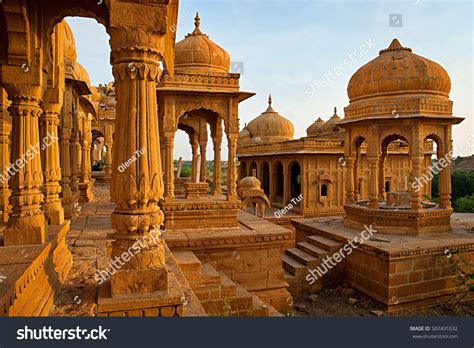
column 464, row 204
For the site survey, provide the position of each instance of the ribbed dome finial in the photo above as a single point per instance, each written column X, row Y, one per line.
column 335, row 110
column 197, row 24
column 395, row 45
column 270, row 109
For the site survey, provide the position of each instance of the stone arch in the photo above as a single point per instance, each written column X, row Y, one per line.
column 382, row 179
column 295, row 175
column 87, row 9
column 242, row 169
column 278, row 182
column 265, row 177
column 253, row 166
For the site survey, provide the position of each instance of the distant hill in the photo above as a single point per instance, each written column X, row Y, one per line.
column 464, row 164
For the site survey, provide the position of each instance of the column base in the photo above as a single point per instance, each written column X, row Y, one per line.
column 129, row 282
column 55, row 214
column 85, row 191
column 4, row 216
column 166, row 303
column 26, row 230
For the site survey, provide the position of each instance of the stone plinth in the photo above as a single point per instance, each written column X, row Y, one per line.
column 165, row 303
column 179, row 186
column 200, row 213
column 85, row 191
column 398, row 199
column 250, row 255
column 34, row 273
column 196, row 190
column 399, row 221
column 401, row 272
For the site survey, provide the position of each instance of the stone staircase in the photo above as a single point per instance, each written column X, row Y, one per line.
column 307, row 255
column 218, row 294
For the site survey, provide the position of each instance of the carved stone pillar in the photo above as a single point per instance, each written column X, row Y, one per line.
column 137, row 189
column 232, row 167
column 416, row 172
column 350, row 180
column 168, row 144
column 85, row 184
column 26, row 224
column 203, row 171
column 194, row 147
column 217, row 167
column 381, row 178
column 445, row 182
column 75, row 150
column 373, row 179
column 5, row 129
column 65, row 159
column 108, row 159
column 108, row 139
column 50, row 163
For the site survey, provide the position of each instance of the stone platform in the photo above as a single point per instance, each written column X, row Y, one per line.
column 250, row 254
column 247, row 258
column 399, row 271
column 30, row 275
column 206, row 212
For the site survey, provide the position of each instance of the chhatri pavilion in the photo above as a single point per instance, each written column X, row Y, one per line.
column 314, row 166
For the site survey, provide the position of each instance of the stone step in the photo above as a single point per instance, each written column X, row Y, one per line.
column 187, row 261
column 260, row 309
column 293, row 266
column 241, row 304
column 313, row 250
column 228, row 287
column 210, row 275
column 303, row 257
column 325, row 243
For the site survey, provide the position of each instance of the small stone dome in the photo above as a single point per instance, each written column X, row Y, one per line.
column 398, row 71
column 70, row 52
column 315, row 128
column 81, row 73
column 269, row 127
column 331, row 124
column 249, row 182
column 196, row 53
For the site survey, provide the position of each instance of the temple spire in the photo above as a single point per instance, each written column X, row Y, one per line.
column 197, row 22
column 197, row 26
column 269, row 109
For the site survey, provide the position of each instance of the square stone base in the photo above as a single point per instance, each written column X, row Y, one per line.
column 24, row 236
column 85, row 191
column 401, row 272
column 168, row 303
column 201, row 213
column 138, row 282
column 34, row 274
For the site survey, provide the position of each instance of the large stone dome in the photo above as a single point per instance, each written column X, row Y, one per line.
column 401, row 83
column 315, row 128
column 269, row 127
column 398, row 71
column 196, row 53
column 70, row 52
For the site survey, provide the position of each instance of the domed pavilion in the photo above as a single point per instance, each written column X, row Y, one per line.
column 201, row 96
column 399, row 96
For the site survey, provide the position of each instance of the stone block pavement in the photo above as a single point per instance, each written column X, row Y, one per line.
column 88, row 243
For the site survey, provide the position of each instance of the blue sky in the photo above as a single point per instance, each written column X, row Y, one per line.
column 288, row 45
